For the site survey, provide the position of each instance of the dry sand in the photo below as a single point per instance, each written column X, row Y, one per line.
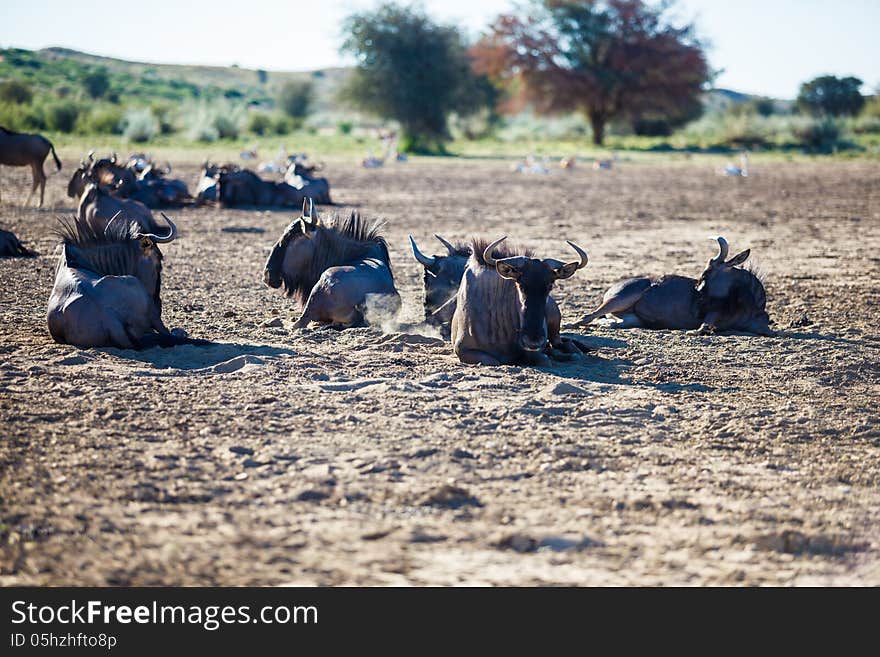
column 375, row 457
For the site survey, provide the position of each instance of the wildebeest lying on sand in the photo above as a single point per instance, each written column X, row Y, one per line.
column 11, row 246
column 244, row 187
column 107, row 284
column 333, row 270
column 97, row 206
column 725, row 296
column 442, row 274
column 139, row 180
column 303, row 178
column 20, row 149
column 504, row 313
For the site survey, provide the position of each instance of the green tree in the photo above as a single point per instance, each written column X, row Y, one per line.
column 828, row 95
column 15, row 91
column 96, row 82
column 295, row 98
column 606, row 58
column 412, row 70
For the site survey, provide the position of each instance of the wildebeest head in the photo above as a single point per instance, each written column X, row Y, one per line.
column 736, row 293
column 534, row 280
column 442, row 272
column 308, row 247
column 122, row 248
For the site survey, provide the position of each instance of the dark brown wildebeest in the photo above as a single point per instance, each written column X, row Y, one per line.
column 147, row 186
column 206, row 190
column 20, row 149
column 442, row 275
column 334, row 271
column 107, row 287
column 302, row 177
column 244, row 187
column 97, row 206
column 504, row 313
column 11, row 246
column 725, row 297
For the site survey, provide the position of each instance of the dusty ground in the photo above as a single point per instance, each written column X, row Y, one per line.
column 365, row 457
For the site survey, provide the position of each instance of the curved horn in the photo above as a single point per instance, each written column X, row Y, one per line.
column 305, row 213
column 113, row 158
column 448, row 246
column 426, row 261
column 722, row 250
column 487, row 252
column 110, row 223
column 158, row 239
column 583, row 254
column 91, row 155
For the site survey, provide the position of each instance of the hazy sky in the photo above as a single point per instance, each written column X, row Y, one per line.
column 764, row 46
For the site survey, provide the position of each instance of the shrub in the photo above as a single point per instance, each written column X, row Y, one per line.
column 295, row 98
column 282, row 125
column 259, row 123
column 62, row 116
column 139, row 125
column 820, row 136
column 21, row 117
column 15, row 91
column 96, row 82
column 228, row 122
column 101, row 120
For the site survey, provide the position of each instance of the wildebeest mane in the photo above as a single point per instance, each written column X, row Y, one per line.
column 504, row 250
column 110, row 252
column 339, row 240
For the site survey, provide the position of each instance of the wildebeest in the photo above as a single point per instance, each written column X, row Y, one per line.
column 244, row 187
column 107, row 286
column 139, row 181
column 11, row 246
column 206, row 190
column 442, row 274
column 303, row 178
column 333, row 270
column 20, row 149
column 504, row 313
column 725, row 296
column 97, row 206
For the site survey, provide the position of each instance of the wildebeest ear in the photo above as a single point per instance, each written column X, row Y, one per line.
column 146, row 243
column 566, row 271
column 738, row 259
column 507, row 270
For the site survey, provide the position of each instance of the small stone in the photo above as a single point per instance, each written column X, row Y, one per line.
column 236, row 449
column 275, row 322
column 241, row 476
column 463, row 454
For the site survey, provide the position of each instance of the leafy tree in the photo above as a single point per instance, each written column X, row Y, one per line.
column 96, row 82
column 15, row 91
column 412, row 70
column 295, row 98
column 828, row 95
column 605, row 58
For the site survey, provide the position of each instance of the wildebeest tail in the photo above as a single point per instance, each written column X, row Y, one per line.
column 55, row 157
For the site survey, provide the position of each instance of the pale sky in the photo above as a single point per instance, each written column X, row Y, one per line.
column 764, row 46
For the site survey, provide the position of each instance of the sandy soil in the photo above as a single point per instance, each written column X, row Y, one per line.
column 375, row 457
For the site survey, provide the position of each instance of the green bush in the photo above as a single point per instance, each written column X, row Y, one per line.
column 21, row 117
column 61, row 116
column 820, row 136
column 15, row 91
column 295, row 98
column 96, row 82
column 228, row 122
column 259, row 123
column 344, row 127
column 100, row 120
column 282, row 125
column 139, row 125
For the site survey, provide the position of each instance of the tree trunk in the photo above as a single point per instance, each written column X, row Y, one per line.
column 597, row 123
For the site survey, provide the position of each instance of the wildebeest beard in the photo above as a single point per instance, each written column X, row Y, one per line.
column 338, row 241
column 111, row 252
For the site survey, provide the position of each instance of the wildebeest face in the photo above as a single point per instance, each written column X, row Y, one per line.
column 149, row 268
column 442, row 273
column 719, row 276
column 294, row 250
column 534, row 280
column 78, row 182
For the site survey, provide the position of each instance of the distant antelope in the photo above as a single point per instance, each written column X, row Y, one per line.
column 19, row 149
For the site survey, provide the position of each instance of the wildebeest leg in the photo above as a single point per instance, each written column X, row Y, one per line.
column 560, row 348
column 759, row 327
column 118, row 335
column 539, row 358
column 443, row 314
column 476, row 357
column 615, row 305
column 708, row 327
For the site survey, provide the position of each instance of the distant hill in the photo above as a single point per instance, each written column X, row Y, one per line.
column 57, row 68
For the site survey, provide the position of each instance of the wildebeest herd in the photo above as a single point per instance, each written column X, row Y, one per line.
column 493, row 300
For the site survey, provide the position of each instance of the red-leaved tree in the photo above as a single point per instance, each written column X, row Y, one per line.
column 606, row 59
